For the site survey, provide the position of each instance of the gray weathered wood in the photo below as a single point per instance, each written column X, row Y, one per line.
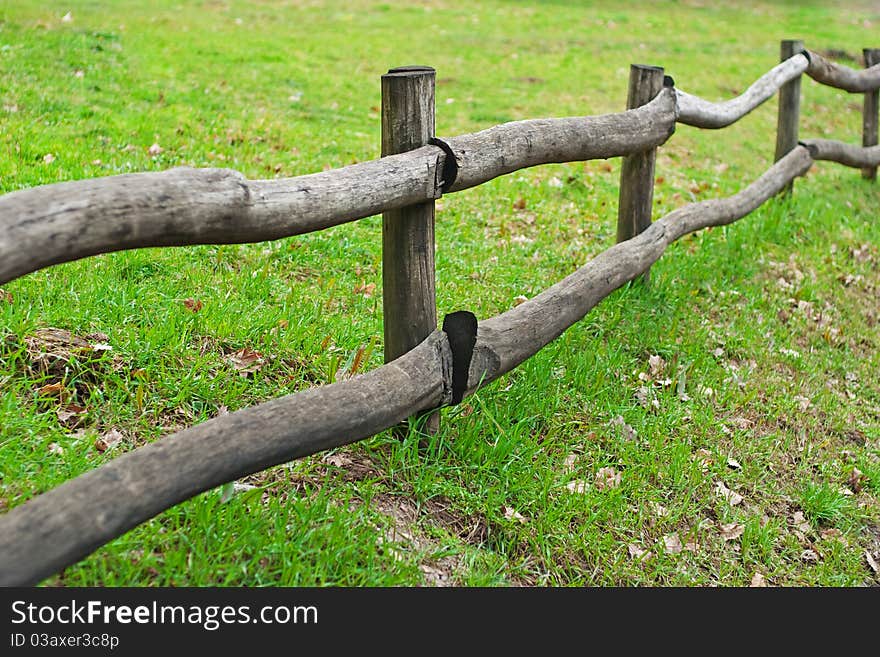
column 700, row 113
column 408, row 294
column 636, row 194
column 508, row 147
column 57, row 223
column 789, row 110
column 505, row 341
column 843, row 77
column 63, row 525
column 869, row 112
column 846, row 154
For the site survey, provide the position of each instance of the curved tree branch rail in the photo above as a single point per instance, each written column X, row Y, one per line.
column 190, row 206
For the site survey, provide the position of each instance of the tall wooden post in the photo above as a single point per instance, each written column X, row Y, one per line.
column 789, row 108
column 636, row 193
column 869, row 112
column 409, row 297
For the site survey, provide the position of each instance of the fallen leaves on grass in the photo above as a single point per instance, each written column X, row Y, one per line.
column 672, row 543
column 856, row 479
column 366, row 289
column 108, row 440
column 6, row 296
column 70, row 415
column 731, row 531
column 578, row 486
column 800, row 523
column 607, row 478
column 193, row 305
column 511, row 514
column 872, row 562
column 758, row 581
column 246, row 361
column 520, row 299
column 155, row 150
column 55, row 448
column 734, row 464
column 637, row 553
column 627, row 432
column 733, row 498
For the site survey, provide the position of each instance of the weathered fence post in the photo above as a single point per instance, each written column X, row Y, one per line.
column 869, row 112
column 637, row 172
column 409, row 297
column 789, row 107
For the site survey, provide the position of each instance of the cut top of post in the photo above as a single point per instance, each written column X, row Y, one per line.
column 407, row 108
column 645, row 82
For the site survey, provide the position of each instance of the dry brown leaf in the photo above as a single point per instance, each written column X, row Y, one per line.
column 692, row 546
column 856, row 479
column 155, row 149
column 657, row 365
column 733, row 463
column 731, row 531
column 51, row 390
column 872, row 562
column 607, row 478
column 519, row 299
column 511, row 514
column 246, row 361
column 810, row 555
column 69, row 415
column 519, row 204
column 626, row 430
column 366, row 289
column 832, row 533
column 758, row 580
column 578, row 486
column 55, row 448
column 569, row 463
column 193, row 305
column 637, row 553
column 733, row 498
column 703, row 457
column 6, row 296
column 339, row 460
column 800, row 522
column 672, row 543
column 659, row 509
column 108, row 440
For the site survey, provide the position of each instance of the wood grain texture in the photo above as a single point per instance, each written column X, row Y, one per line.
column 409, row 299
column 57, row 223
column 842, row 153
column 704, row 114
column 505, row 148
column 65, row 524
column 788, row 115
column 843, row 77
column 870, row 110
column 408, row 295
column 636, row 193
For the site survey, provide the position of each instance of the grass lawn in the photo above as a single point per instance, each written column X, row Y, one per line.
column 718, row 427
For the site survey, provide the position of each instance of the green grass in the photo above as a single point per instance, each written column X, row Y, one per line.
column 767, row 329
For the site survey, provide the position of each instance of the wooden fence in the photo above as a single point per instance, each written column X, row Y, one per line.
column 426, row 368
